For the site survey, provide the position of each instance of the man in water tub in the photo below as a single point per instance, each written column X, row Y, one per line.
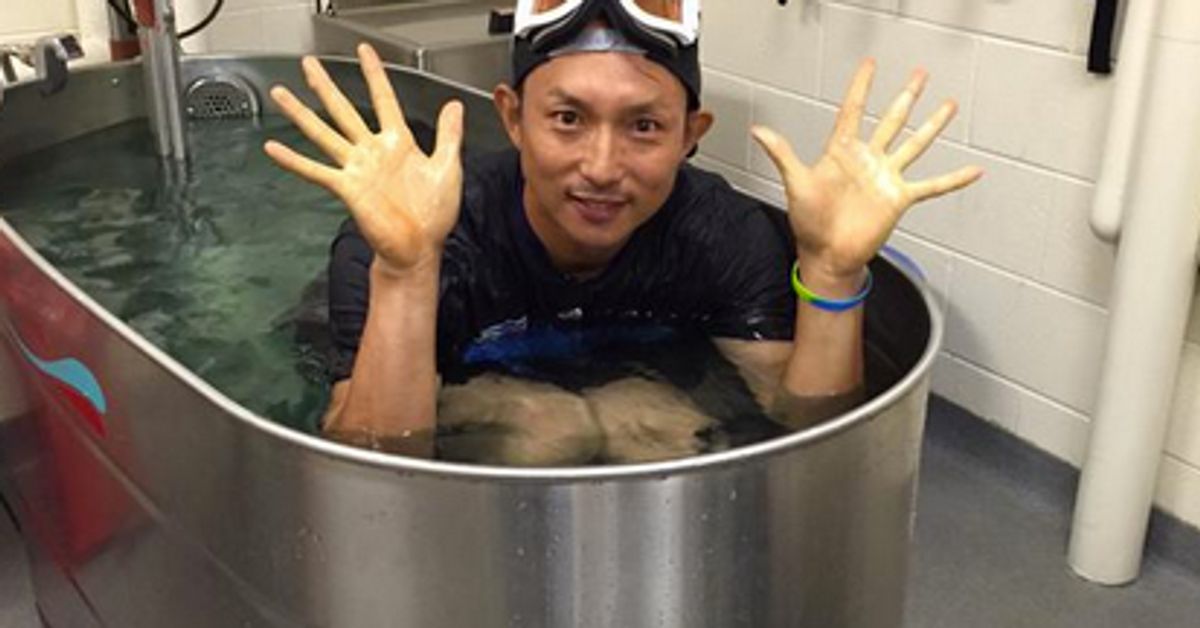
column 459, row 291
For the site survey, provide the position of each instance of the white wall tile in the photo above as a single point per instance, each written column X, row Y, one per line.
column 1075, row 260
column 1041, row 339
column 806, row 123
column 890, row 6
column 1179, row 489
column 1180, row 21
column 1053, row 428
column 1049, row 22
column 32, row 17
column 1040, row 107
column 1043, row 423
column 1026, row 220
column 983, row 310
column 1000, row 220
column 764, row 42
column 942, row 219
column 986, row 394
column 934, row 262
column 1035, row 223
column 899, row 47
column 753, row 185
column 729, row 99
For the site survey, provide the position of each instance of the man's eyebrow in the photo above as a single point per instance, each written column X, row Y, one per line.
column 645, row 107
column 562, row 95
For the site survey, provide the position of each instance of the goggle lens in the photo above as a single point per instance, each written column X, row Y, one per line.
column 666, row 9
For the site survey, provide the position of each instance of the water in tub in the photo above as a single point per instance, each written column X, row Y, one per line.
column 218, row 270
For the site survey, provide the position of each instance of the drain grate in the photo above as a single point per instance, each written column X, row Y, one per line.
column 220, row 97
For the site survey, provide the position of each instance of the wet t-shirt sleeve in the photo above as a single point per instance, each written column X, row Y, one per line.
column 349, row 295
column 749, row 264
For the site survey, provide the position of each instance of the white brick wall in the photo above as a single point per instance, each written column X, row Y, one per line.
column 263, row 26
column 1023, row 280
column 22, row 19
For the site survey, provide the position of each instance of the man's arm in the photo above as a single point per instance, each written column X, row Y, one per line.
column 391, row 401
column 405, row 203
column 763, row 365
column 841, row 211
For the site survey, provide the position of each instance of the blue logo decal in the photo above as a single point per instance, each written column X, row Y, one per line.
column 71, row 372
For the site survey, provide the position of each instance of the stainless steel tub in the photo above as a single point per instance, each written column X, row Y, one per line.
column 147, row 498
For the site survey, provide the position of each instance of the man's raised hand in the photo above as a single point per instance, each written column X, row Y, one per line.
column 404, row 201
column 843, row 208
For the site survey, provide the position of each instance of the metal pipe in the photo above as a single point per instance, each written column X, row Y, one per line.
column 1152, row 293
column 1127, row 106
column 160, row 58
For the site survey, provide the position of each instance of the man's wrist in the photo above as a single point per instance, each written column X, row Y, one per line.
column 422, row 273
column 829, row 284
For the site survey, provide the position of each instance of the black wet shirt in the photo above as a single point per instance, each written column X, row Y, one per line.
column 710, row 262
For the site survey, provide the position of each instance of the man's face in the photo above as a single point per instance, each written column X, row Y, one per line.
column 602, row 136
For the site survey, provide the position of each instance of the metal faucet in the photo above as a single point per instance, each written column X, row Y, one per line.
column 47, row 56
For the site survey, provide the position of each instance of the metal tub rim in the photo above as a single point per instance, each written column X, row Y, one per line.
column 476, row 472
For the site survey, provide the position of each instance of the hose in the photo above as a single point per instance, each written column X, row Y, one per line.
column 125, row 16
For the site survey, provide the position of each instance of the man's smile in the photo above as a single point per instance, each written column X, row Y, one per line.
column 596, row 209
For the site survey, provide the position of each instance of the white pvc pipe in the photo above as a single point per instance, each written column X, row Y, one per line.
column 1127, row 103
column 1152, row 293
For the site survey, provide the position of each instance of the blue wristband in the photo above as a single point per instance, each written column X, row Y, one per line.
column 830, row 305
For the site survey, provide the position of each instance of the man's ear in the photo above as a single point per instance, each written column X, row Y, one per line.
column 698, row 123
column 508, row 106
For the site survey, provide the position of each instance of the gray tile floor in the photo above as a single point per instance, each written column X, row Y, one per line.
column 990, row 544
column 993, row 521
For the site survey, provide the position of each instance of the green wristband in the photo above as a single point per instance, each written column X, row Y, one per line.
column 830, row 305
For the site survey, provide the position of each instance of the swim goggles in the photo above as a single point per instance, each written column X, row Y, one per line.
column 665, row 24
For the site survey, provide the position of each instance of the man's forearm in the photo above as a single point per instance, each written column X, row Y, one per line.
column 827, row 348
column 393, row 390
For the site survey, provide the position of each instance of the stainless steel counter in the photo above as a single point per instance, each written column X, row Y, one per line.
column 445, row 37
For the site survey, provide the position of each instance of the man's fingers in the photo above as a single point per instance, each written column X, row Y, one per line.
column 383, row 97
column 932, row 188
column 449, row 132
column 309, row 123
column 850, row 114
column 920, row 141
column 780, row 151
column 292, row 161
column 336, row 103
column 897, row 114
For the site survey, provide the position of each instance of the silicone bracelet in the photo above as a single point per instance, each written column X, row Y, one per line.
column 830, row 305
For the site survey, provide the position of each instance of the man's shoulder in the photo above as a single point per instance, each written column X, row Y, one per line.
column 492, row 172
column 705, row 200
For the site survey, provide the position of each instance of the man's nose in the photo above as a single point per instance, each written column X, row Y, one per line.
column 602, row 160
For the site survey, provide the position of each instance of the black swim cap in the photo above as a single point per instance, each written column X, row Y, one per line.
column 682, row 61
